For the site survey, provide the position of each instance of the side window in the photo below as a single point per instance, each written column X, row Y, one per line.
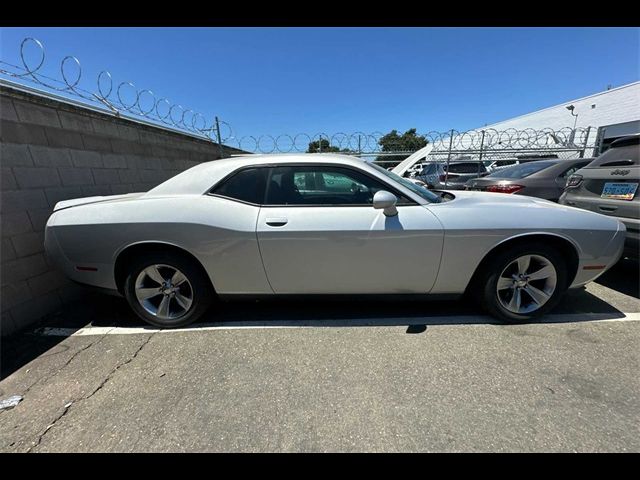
column 302, row 185
column 246, row 186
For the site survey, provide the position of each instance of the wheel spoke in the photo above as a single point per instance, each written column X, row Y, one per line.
column 163, row 308
column 545, row 272
column 147, row 293
column 183, row 301
column 514, row 304
column 154, row 274
column 504, row 283
column 537, row 295
column 523, row 264
column 178, row 278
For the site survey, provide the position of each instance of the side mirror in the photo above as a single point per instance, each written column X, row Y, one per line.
column 385, row 201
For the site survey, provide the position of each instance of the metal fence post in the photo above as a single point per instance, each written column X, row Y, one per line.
column 359, row 146
column 586, row 142
column 481, row 147
column 446, row 173
column 219, row 138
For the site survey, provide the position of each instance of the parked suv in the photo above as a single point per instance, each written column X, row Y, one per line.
column 434, row 174
column 609, row 185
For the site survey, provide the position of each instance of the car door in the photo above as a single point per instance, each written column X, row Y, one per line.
column 319, row 233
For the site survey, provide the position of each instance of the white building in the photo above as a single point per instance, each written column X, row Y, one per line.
column 611, row 114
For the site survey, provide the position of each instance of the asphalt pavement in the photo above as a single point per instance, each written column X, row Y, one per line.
column 332, row 376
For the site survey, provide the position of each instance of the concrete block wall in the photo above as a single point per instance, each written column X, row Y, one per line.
column 52, row 151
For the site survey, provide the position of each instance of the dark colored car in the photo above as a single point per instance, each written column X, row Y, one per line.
column 543, row 178
column 434, row 174
column 609, row 185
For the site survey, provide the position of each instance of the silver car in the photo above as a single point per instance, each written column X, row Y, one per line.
column 609, row 185
column 543, row 179
column 324, row 224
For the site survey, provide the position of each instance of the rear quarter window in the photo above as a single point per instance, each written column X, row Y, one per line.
column 247, row 185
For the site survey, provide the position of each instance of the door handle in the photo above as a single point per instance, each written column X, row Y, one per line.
column 277, row 222
column 607, row 209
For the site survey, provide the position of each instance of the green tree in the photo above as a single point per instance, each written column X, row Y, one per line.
column 323, row 146
column 409, row 141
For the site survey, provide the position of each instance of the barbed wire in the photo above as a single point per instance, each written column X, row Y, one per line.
column 452, row 140
column 125, row 98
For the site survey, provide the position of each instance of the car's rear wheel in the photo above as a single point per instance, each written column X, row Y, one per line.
column 523, row 283
column 167, row 290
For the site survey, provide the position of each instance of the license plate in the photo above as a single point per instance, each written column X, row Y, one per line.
column 619, row 191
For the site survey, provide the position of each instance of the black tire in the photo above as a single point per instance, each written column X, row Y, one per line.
column 486, row 285
column 199, row 287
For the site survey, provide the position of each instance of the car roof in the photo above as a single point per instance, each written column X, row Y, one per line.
column 200, row 178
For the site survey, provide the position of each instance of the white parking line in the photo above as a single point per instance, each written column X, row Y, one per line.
column 355, row 322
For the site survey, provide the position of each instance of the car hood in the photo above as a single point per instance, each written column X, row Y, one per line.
column 500, row 209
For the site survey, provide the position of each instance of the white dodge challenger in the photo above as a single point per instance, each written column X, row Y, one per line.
column 322, row 224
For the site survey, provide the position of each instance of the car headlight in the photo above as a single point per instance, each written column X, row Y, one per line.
column 574, row 181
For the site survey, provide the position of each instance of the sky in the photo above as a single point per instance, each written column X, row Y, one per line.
column 292, row 80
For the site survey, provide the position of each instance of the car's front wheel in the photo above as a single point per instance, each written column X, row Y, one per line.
column 167, row 290
column 523, row 283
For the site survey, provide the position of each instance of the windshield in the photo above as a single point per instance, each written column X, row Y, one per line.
column 521, row 171
column 418, row 190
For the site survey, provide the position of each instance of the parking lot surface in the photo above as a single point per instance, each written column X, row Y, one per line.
column 332, row 376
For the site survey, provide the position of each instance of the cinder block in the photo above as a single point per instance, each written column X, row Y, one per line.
column 7, row 110
column 97, row 190
column 76, row 176
column 75, row 121
column 23, row 268
column 45, row 283
column 85, row 159
column 135, row 161
column 14, row 294
column 55, row 195
column 14, row 155
column 105, row 127
column 124, row 146
column 97, row 143
column 15, row 223
column 59, row 137
column 8, row 252
column 8, row 180
column 39, row 218
column 22, row 133
column 111, row 160
column 33, row 177
column 143, row 187
column 103, row 176
column 31, row 312
column 37, row 114
column 28, row 243
column 50, row 157
column 122, row 188
column 128, row 133
column 151, row 175
column 129, row 175
column 20, row 200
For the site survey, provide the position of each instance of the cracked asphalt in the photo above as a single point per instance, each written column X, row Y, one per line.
column 371, row 376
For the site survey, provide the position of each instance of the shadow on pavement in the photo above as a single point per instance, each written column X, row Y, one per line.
column 623, row 277
column 100, row 310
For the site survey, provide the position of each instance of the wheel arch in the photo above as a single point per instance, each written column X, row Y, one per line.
column 568, row 247
column 130, row 251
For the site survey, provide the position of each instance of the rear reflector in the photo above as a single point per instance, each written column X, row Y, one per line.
column 86, row 269
column 594, row 267
column 504, row 188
